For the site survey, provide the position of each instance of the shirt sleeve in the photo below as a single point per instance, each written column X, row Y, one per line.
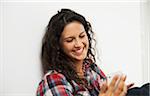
column 98, row 71
column 54, row 85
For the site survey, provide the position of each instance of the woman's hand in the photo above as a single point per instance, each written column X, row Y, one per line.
column 117, row 87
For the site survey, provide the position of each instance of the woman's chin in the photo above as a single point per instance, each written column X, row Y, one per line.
column 79, row 58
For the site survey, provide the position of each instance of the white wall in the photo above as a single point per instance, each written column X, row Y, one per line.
column 145, row 37
column 118, row 27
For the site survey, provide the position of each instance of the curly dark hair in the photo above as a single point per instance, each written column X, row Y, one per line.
column 52, row 56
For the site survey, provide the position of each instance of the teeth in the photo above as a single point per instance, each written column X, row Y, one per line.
column 79, row 51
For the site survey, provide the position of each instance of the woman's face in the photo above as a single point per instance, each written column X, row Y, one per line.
column 74, row 41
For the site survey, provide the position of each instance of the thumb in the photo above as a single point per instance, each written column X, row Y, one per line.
column 104, row 87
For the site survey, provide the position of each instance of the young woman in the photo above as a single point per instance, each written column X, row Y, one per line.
column 69, row 61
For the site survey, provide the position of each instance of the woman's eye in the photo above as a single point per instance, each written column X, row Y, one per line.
column 69, row 40
column 82, row 36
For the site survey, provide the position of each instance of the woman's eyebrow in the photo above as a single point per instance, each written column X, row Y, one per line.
column 69, row 37
column 82, row 32
column 73, row 36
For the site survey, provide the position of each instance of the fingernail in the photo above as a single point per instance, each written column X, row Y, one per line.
column 124, row 77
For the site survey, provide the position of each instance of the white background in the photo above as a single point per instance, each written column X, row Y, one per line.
column 122, row 32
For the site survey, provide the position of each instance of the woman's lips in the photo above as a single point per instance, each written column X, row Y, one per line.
column 79, row 51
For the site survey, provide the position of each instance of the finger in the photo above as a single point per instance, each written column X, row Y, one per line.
column 130, row 85
column 123, row 77
column 121, row 81
column 112, row 85
column 104, row 87
column 119, row 88
column 124, row 91
column 114, row 80
column 121, row 85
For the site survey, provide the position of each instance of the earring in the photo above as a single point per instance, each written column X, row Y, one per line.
column 58, row 51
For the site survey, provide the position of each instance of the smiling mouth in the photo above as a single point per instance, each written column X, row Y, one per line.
column 79, row 51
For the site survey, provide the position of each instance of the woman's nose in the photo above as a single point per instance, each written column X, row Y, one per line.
column 78, row 43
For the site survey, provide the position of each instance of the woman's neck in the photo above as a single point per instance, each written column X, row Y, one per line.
column 79, row 68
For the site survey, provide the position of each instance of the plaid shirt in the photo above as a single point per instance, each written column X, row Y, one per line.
column 56, row 84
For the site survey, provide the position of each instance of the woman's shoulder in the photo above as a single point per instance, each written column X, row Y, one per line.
column 53, row 74
column 52, row 80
